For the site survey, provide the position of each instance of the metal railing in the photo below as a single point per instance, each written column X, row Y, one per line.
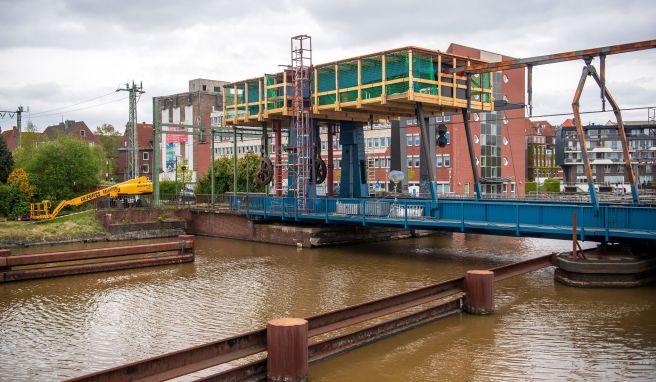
column 527, row 217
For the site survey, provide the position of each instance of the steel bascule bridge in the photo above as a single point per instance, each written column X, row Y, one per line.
column 407, row 82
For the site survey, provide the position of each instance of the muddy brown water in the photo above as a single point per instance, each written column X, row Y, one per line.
column 63, row 327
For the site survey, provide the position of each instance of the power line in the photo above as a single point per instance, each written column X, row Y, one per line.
column 75, row 104
column 78, row 109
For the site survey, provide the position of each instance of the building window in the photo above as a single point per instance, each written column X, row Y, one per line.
column 369, row 142
column 512, row 187
column 376, row 142
column 438, row 118
column 82, row 132
column 466, row 188
column 409, row 161
column 217, row 89
column 145, row 168
column 447, row 118
column 409, row 137
column 416, row 139
column 324, row 145
column 438, row 160
column 388, row 140
column 416, row 161
column 377, row 163
column 204, row 87
column 505, row 187
column 447, row 160
column 448, row 137
column 146, row 155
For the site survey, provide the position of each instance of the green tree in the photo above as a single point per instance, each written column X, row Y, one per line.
column 167, row 188
column 12, row 205
column 30, row 139
column 6, row 161
column 222, row 177
column 110, row 140
column 20, row 179
column 64, row 168
column 552, row 185
column 248, row 165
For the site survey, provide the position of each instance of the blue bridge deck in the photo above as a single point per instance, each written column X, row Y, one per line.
column 608, row 223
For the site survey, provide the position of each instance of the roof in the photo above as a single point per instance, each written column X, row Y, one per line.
column 70, row 127
column 569, row 122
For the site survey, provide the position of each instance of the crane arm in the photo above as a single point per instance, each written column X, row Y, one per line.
column 135, row 186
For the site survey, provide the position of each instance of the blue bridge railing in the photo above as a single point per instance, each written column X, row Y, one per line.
column 611, row 222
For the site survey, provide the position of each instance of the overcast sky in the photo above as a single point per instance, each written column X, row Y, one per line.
column 55, row 55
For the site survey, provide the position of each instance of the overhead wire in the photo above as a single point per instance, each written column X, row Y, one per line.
column 72, row 105
column 78, row 109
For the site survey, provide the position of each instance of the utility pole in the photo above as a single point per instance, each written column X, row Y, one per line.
column 135, row 91
column 18, row 113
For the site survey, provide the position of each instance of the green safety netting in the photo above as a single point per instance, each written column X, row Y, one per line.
column 372, row 72
column 422, row 68
column 229, row 96
column 396, row 66
column 348, row 75
column 253, row 96
column 326, row 79
column 253, row 91
column 241, row 88
column 348, row 78
column 487, row 83
column 272, row 102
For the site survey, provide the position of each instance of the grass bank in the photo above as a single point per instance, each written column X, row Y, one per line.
column 62, row 228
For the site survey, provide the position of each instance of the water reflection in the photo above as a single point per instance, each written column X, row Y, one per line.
column 58, row 328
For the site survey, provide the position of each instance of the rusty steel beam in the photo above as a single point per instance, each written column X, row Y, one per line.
column 364, row 336
column 514, row 269
column 558, row 57
column 97, row 253
column 364, row 312
column 178, row 363
column 55, row 271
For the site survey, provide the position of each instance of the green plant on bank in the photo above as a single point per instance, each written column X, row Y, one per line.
column 65, row 227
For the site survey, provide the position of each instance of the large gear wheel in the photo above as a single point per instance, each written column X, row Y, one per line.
column 265, row 173
column 320, row 170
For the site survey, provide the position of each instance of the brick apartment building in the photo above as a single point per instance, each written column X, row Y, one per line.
column 605, row 153
column 541, row 152
column 145, row 143
column 198, row 106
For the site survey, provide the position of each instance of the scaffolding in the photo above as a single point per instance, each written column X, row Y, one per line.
column 302, row 140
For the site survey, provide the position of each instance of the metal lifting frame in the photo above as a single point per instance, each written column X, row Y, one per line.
column 589, row 70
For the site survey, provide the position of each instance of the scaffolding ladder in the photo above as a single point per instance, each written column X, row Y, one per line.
column 301, row 137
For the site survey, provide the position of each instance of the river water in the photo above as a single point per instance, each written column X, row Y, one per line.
column 63, row 327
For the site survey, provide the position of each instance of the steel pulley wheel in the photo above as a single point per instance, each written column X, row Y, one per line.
column 320, row 170
column 265, row 173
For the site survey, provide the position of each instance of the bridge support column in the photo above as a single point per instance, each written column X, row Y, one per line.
column 479, row 287
column 287, row 347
